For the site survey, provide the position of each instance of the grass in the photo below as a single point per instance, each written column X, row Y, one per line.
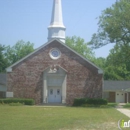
column 126, row 105
column 112, row 104
column 109, row 105
column 58, row 118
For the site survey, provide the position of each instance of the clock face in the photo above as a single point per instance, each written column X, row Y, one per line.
column 55, row 53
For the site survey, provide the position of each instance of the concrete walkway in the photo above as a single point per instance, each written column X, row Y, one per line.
column 124, row 111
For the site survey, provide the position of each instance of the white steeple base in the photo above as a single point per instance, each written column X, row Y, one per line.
column 56, row 33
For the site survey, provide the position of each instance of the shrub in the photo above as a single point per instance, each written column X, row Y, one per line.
column 96, row 101
column 17, row 100
column 79, row 101
column 89, row 101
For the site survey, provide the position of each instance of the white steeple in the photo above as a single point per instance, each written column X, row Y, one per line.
column 56, row 28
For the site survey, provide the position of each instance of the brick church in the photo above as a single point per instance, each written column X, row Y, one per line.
column 54, row 73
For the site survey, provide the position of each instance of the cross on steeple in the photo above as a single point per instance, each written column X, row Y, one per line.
column 56, row 30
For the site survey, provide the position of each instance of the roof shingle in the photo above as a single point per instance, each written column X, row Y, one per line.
column 116, row 85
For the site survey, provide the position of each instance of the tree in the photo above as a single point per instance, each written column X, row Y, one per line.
column 120, row 55
column 78, row 44
column 116, row 73
column 3, row 61
column 100, row 62
column 114, row 25
column 118, row 63
column 18, row 51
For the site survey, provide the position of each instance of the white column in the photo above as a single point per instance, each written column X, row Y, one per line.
column 127, row 97
column 44, row 89
column 64, row 90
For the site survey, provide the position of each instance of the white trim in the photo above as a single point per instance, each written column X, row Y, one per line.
column 9, row 69
column 9, row 94
column 56, row 26
column 63, row 68
column 56, row 65
column 100, row 71
column 115, row 90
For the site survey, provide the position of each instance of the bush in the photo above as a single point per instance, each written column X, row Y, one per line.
column 96, row 101
column 17, row 100
column 89, row 101
column 79, row 101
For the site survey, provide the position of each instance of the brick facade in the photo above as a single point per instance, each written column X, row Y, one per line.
column 26, row 78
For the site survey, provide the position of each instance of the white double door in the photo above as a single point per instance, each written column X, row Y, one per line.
column 54, row 94
column 120, row 97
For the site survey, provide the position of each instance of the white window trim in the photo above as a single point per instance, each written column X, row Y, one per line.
column 52, row 57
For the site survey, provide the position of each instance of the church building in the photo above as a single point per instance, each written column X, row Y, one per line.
column 54, row 73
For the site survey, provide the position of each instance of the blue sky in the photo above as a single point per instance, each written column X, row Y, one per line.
column 28, row 20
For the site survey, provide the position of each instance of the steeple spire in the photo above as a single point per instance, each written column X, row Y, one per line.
column 56, row 28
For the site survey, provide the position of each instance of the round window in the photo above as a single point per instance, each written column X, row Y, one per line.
column 55, row 53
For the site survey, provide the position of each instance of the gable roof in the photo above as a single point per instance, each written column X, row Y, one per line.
column 9, row 69
column 2, row 78
column 116, row 85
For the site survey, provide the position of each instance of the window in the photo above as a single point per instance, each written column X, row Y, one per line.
column 51, row 91
column 58, row 91
column 55, row 53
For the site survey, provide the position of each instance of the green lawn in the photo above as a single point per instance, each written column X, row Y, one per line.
column 58, row 118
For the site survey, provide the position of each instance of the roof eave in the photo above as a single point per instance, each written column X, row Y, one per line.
column 9, row 69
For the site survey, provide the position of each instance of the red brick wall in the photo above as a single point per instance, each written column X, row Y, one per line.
column 83, row 80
